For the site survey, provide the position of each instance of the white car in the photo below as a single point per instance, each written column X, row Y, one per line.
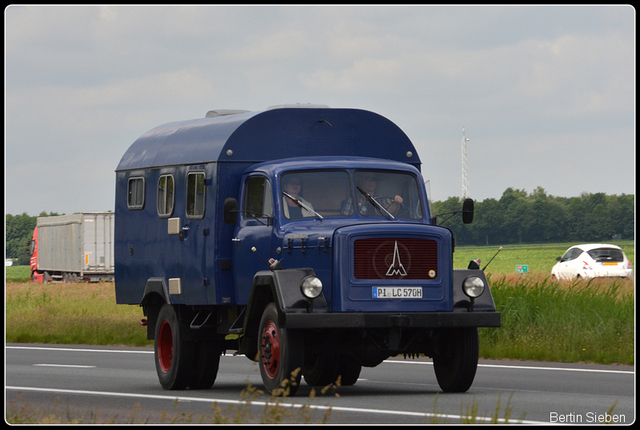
column 591, row 261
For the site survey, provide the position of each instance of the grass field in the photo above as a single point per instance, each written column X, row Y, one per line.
column 540, row 258
column 541, row 320
column 83, row 313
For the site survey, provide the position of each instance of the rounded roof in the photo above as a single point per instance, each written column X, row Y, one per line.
column 251, row 137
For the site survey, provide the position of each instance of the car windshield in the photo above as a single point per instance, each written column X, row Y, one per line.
column 333, row 193
column 606, row 254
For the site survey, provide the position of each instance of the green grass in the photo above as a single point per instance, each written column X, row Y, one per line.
column 79, row 313
column 577, row 321
column 539, row 257
column 17, row 274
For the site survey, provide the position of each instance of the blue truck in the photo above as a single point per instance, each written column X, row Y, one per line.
column 300, row 237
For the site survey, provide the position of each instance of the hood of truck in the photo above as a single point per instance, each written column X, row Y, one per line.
column 392, row 267
column 355, row 260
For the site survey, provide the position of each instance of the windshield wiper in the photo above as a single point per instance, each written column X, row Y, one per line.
column 375, row 203
column 302, row 205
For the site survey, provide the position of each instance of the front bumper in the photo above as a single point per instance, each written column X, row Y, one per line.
column 391, row 320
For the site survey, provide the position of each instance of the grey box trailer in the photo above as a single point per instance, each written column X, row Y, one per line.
column 73, row 248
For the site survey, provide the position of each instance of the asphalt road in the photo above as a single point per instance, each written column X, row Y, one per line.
column 100, row 384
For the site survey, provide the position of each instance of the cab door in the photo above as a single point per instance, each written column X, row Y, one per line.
column 254, row 230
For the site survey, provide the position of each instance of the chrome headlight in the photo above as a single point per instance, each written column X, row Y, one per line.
column 473, row 286
column 311, row 287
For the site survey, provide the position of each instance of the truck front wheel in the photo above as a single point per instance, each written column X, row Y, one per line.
column 456, row 359
column 173, row 356
column 281, row 353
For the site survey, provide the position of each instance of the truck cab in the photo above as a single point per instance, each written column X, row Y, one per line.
column 298, row 211
column 305, row 242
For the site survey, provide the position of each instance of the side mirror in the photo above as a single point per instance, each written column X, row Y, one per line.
column 230, row 211
column 467, row 211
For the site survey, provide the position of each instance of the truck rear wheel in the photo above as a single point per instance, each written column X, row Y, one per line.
column 348, row 370
column 281, row 353
column 173, row 356
column 206, row 363
column 320, row 369
column 456, row 359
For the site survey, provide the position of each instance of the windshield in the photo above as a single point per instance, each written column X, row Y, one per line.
column 390, row 194
column 317, row 193
column 334, row 193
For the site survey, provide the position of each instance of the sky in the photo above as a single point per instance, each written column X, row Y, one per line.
column 545, row 94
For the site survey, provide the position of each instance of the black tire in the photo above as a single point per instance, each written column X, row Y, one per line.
column 281, row 353
column 456, row 360
column 320, row 369
column 206, row 362
column 173, row 356
column 348, row 370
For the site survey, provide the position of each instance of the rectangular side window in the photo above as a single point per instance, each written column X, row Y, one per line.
column 195, row 195
column 135, row 193
column 257, row 199
column 166, row 195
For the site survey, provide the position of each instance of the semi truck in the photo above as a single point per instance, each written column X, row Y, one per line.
column 300, row 237
column 73, row 248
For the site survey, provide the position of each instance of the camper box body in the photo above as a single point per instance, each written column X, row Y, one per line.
column 205, row 243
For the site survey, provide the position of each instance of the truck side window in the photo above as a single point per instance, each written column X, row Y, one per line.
column 135, row 193
column 257, row 197
column 166, row 195
column 195, row 195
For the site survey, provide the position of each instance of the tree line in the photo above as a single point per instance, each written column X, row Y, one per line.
column 517, row 217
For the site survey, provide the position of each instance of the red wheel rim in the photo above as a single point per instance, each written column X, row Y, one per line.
column 270, row 349
column 165, row 346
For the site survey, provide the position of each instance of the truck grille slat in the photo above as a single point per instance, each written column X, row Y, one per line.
column 404, row 258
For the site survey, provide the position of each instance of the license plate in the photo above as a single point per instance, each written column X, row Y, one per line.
column 397, row 292
column 610, row 263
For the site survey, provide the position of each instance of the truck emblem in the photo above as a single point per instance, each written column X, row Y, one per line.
column 396, row 267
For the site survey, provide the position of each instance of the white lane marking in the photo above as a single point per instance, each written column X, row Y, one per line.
column 252, row 402
column 502, row 366
column 499, row 366
column 75, row 366
column 43, row 348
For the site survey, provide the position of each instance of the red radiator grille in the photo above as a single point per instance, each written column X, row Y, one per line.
column 395, row 259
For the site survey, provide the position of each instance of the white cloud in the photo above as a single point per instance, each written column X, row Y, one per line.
column 92, row 79
column 364, row 74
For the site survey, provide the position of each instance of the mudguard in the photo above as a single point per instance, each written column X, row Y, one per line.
column 155, row 293
column 283, row 288
column 155, row 286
